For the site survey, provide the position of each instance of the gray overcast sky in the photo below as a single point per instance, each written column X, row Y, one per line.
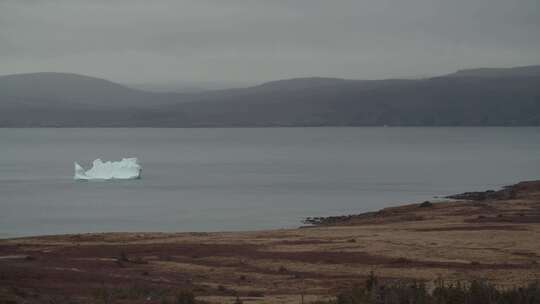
column 260, row 40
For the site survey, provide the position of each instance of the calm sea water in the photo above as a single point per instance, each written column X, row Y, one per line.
column 232, row 179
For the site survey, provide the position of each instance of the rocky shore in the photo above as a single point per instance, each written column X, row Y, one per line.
column 490, row 235
column 407, row 213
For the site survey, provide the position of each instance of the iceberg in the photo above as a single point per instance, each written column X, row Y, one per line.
column 127, row 168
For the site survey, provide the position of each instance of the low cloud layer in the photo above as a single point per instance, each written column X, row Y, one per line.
column 260, row 40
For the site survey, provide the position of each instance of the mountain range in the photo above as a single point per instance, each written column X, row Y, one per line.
column 473, row 97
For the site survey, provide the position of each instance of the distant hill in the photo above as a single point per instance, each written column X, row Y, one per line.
column 441, row 101
column 63, row 99
column 524, row 71
column 475, row 97
column 69, row 90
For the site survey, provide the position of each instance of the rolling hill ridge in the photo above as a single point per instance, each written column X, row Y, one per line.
column 475, row 97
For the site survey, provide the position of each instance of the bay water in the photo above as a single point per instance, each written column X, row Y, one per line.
column 245, row 178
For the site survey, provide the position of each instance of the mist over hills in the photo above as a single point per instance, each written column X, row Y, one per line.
column 473, row 97
column 523, row 71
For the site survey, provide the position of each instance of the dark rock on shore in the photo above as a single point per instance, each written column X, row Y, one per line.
column 484, row 195
column 508, row 192
column 331, row 220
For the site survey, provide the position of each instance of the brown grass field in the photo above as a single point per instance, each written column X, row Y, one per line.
column 494, row 238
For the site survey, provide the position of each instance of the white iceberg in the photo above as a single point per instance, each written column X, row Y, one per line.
column 127, row 168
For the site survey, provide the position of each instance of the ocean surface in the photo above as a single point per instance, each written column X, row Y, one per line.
column 245, row 179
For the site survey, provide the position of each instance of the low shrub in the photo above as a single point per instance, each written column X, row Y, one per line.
column 184, row 297
column 123, row 257
column 222, row 288
column 474, row 292
column 426, row 204
column 255, row 294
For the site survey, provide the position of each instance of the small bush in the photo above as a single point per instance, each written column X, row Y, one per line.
column 123, row 257
column 103, row 295
column 29, row 258
column 139, row 260
column 426, row 204
column 222, row 288
column 184, row 297
column 282, row 269
column 255, row 294
column 401, row 260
